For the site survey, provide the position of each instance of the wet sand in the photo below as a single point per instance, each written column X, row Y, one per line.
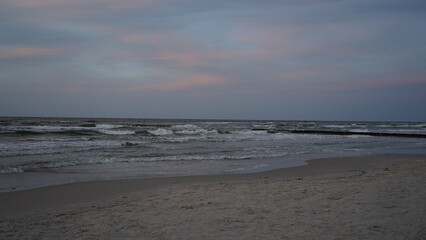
column 380, row 197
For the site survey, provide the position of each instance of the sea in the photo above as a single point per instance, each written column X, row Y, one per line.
column 37, row 152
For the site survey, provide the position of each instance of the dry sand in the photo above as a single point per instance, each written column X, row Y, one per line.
column 346, row 198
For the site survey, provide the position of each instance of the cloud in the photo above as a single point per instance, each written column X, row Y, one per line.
column 192, row 82
column 27, row 52
column 66, row 3
column 242, row 48
column 163, row 40
column 181, row 59
column 373, row 83
column 190, row 59
column 48, row 12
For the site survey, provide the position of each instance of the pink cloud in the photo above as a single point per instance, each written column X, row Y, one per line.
column 66, row 3
column 197, row 81
column 157, row 60
column 256, row 55
column 183, row 59
column 41, row 3
column 24, row 52
column 58, row 11
column 137, row 38
column 159, row 39
column 178, row 49
column 289, row 41
column 191, row 57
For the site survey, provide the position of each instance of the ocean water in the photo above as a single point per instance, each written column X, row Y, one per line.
column 46, row 151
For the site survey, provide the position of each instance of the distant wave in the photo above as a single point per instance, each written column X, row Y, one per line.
column 42, row 144
column 70, row 132
column 200, row 131
column 65, row 132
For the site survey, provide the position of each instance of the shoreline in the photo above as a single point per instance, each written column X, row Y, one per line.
column 12, row 182
column 360, row 181
column 16, row 202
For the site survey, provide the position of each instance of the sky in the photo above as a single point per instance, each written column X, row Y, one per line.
column 361, row 60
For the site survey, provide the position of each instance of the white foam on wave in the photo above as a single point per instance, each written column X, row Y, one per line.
column 101, row 128
column 40, row 128
column 251, row 132
column 203, row 135
column 359, row 131
column 217, row 123
column 337, row 126
column 383, row 126
column 161, row 132
column 358, row 136
column 48, row 128
column 190, row 129
column 108, row 126
column 11, row 170
column 186, row 126
column 117, row 132
column 264, row 126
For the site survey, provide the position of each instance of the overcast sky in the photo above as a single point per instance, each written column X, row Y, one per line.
column 239, row 59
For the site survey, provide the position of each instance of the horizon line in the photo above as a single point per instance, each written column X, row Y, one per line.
column 212, row 119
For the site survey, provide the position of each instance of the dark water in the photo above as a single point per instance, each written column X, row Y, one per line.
column 120, row 148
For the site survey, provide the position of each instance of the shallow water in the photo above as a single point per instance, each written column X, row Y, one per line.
column 45, row 151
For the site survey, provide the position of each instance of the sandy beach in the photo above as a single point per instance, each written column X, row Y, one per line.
column 380, row 197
